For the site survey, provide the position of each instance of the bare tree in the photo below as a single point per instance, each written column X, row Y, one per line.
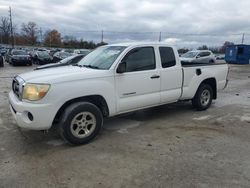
column 52, row 38
column 225, row 45
column 30, row 32
column 5, row 30
column 203, row 47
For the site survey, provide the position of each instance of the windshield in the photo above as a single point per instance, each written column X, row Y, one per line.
column 84, row 52
column 64, row 54
column 102, row 57
column 190, row 54
column 42, row 54
column 66, row 59
column 19, row 52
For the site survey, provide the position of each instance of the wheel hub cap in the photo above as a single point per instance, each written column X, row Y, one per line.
column 83, row 124
column 205, row 97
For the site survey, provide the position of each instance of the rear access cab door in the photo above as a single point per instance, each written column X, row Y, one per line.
column 171, row 74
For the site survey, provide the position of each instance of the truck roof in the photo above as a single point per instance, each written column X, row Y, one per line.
column 127, row 44
column 200, row 51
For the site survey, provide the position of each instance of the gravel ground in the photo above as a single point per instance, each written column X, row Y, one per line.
column 168, row 146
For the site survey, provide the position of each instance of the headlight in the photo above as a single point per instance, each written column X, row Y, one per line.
column 34, row 92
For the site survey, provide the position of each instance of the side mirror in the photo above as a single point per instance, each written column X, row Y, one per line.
column 198, row 56
column 121, row 67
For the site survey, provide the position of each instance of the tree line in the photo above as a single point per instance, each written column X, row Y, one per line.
column 29, row 34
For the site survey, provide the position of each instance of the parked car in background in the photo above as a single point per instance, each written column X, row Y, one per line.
column 82, row 51
column 71, row 60
column 8, row 54
column 58, row 56
column 198, row 56
column 30, row 52
column 220, row 57
column 68, row 50
column 53, row 51
column 41, row 58
column 19, row 57
column 3, row 51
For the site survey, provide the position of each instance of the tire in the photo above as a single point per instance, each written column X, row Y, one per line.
column 203, row 97
column 1, row 61
column 211, row 61
column 80, row 123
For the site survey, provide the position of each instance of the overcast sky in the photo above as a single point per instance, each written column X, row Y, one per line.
column 186, row 23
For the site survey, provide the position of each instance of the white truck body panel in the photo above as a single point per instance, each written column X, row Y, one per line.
column 124, row 92
column 192, row 81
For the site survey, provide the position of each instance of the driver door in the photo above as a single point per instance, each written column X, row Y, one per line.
column 139, row 85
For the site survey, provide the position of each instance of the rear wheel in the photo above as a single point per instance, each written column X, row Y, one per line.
column 203, row 97
column 211, row 61
column 81, row 123
column 1, row 61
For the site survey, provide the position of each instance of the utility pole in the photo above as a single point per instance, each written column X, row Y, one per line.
column 50, row 39
column 243, row 38
column 160, row 37
column 41, row 36
column 102, row 37
column 11, row 29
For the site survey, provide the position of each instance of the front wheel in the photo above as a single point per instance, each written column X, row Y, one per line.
column 81, row 123
column 203, row 97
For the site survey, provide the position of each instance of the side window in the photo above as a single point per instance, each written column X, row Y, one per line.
column 140, row 59
column 167, row 57
column 204, row 54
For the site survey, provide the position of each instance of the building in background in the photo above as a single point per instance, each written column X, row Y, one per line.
column 238, row 54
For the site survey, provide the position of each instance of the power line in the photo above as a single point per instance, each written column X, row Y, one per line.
column 116, row 32
column 155, row 32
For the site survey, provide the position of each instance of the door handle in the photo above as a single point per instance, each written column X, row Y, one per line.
column 155, row 76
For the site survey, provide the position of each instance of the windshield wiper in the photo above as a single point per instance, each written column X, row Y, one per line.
column 91, row 66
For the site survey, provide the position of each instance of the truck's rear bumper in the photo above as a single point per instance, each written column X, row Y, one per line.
column 42, row 114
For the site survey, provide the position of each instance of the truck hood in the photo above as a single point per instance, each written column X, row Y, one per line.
column 62, row 74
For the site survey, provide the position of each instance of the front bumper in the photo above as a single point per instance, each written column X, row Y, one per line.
column 43, row 114
column 21, row 61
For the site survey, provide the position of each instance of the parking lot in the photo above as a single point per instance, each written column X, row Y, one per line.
column 168, row 146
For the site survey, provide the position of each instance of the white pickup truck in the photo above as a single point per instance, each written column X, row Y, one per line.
column 111, row 80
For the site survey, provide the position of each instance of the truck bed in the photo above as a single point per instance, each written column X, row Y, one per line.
column 195, row 73
column 190, row 64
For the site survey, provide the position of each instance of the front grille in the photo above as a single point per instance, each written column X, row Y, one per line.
column 17, row 86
